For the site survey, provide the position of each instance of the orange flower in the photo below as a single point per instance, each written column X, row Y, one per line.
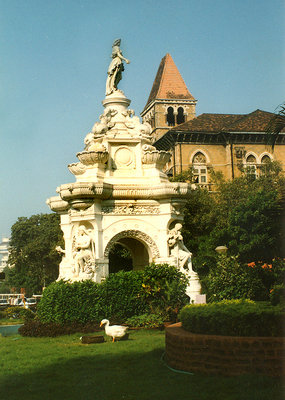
column 251, row 265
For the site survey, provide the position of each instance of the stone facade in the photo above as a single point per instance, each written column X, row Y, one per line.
column 223, row 142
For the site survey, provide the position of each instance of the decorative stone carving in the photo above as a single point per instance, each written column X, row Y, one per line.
column 123, row 157
column 115, row 68
column 156, row 157
column 93, row 157
column 136, row 235
column 182, row 258
column 77, row 168
column 83, row 249
column 121, row 191
column 130, row 210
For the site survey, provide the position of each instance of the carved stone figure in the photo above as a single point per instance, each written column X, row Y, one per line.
column 83, row 252
column 115, row 68
column 177, row 246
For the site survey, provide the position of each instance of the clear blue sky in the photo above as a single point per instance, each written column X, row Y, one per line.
column 54, row 58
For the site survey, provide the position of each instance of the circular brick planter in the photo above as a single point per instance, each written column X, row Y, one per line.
column 226, row 355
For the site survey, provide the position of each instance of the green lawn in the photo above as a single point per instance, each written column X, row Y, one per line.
column 63, row 368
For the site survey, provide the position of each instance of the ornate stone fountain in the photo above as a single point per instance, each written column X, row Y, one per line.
column 121, row 195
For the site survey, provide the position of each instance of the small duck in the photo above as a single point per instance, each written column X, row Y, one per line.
column 115, row 331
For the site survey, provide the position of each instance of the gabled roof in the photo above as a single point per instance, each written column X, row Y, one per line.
column 257, row 121
column 168, row 83
column 215, row 128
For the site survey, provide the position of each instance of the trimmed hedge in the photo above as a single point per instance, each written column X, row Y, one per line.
column 157, row 289
column 234, row 318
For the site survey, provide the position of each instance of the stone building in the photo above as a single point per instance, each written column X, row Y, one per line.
column 4, row 253
column 223, row 142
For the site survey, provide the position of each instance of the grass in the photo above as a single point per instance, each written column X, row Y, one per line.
column 63, row 368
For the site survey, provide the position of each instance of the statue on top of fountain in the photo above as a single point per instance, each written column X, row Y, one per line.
column 115, row 68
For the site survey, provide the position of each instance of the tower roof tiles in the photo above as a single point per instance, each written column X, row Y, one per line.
column 168, row 83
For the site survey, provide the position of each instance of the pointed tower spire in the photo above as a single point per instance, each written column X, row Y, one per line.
column 170, row 103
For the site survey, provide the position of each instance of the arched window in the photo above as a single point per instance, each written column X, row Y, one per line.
column 170, row 117
column 250, row 167
column 180, row 116
column 199, row 168
column 265, row 159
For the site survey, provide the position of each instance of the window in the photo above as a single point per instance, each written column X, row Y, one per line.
column 265, row 159
column 265, row 167
column 170, row 117
column 199, row 168
column 250, row 166
column 180, row 116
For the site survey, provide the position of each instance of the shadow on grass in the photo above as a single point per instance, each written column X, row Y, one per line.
column 133, row 376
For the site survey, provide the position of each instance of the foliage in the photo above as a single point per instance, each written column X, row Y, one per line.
column 17, row 312
column 146, row 321
column 229, row 279
column 33, row 257
column 276, row 125
column 120, row 296
column 120, row 259
column 244, row 214
column 277, row 295
column 36, row 328
column 163, row 289
column 233, row 318
column 69, row 302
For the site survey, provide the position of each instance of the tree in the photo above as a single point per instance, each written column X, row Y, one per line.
column 276, row 125
column 244, row 214
column 33, row 259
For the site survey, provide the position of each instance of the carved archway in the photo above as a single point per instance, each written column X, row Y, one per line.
column 133, row 234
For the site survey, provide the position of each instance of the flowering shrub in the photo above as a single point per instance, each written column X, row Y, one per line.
column 270, row 274
column 229, row 279
column 277, row 295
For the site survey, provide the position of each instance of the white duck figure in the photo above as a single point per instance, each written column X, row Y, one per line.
column 115, row 331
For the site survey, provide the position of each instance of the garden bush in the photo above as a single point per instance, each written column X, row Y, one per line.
column 146, row 321
column 277, row 295
column 229, row 279
column 233, row 318
column 19, row 312
column 156, row 289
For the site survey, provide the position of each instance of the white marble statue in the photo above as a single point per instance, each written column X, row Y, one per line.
column 182, row 257
column 115, row 68
column 83, row 252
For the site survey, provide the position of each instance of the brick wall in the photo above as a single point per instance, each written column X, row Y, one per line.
column 224, row 355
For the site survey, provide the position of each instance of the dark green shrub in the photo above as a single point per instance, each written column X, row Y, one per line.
column 229, row 279
column 277, row 295
column 19, row 313
column 163, row 289
column 68, row 302
column 156, row 289
column 120, row 292
column 146, row 321
column 233, row 318
column 36, row 328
